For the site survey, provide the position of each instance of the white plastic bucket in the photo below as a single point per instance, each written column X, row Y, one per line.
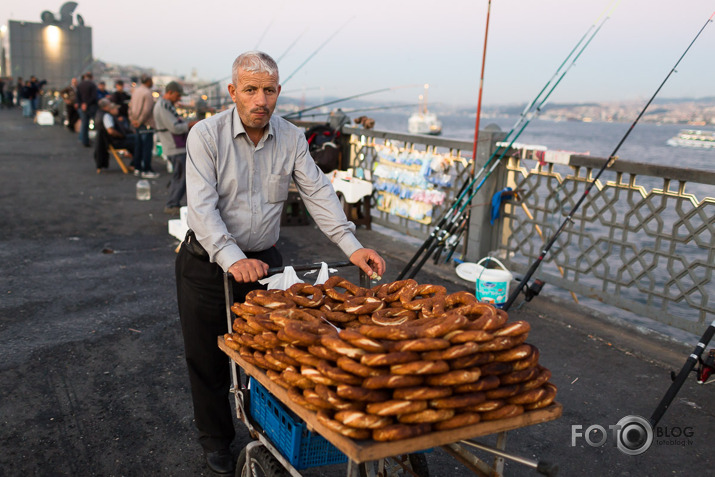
column 492, row 285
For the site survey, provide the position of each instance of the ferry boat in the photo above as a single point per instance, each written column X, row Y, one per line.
column 422, row 121
column 693, row 138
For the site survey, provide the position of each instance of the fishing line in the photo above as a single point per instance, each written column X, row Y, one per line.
column 611, row 159
column 278, row 60
column 453, row 214
column 317, row 50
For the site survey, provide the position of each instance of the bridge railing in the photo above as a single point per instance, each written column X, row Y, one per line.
column 643, row 240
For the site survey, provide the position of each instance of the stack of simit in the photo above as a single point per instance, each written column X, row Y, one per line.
column 392, row 362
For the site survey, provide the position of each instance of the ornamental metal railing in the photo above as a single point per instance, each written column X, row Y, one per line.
column 644, row 239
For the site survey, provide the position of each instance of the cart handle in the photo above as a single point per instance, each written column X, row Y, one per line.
column 542, row 467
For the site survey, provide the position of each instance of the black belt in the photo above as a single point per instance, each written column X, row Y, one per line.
column 193, row 246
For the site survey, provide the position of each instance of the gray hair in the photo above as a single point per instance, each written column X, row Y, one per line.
column 254, row 62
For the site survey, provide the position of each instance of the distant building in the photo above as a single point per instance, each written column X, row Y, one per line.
column 55, row 50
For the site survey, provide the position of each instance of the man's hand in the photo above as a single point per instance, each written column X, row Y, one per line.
column 369, row 262
column 248, row 270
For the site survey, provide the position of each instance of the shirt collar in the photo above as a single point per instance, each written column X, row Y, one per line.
column 238, row 129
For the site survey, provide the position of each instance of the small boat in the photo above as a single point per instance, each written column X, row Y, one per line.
column 693, row 138
column 422, row 121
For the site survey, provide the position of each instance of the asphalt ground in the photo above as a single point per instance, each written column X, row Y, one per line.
column 92, row 377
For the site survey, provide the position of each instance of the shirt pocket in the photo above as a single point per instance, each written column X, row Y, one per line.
column 278, row 187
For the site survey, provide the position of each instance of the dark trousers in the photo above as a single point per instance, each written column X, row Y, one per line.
column 143, row 150
column 199, row 287
column 177, row 186
column 85, row 116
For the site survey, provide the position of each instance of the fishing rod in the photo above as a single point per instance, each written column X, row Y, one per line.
column 481, row 88
column 299, row 113
column 263, row 35
column 452, row 215
column 479, row 110
column 317, row 50
column 607, row 163
column 360, row 110
column 278, row 60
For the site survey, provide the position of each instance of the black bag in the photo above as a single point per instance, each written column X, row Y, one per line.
column 323, row 147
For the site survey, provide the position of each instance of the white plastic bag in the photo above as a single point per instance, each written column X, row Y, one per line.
column 281, row 281
column 323, row 274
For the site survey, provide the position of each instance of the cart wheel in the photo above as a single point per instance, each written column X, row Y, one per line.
column 416, row 462
column 262, row 464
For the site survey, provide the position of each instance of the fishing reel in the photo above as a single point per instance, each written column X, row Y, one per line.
column 530, row 291
column 705, row 369
column 533, row 290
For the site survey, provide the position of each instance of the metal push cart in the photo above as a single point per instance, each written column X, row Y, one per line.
column 270, row 455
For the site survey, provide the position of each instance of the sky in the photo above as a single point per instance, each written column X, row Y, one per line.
column 340, row 49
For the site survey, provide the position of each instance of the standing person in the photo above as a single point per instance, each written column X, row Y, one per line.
column 238, row 168
column 140, row 117
column 172, row 130
column 121, row 98
column 25, row 89
column 8, row 97
column 102, row 90
column 18, row 91
column 69, row 96
column 87, row 106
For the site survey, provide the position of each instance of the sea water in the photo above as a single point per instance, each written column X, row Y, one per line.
column 647, row 142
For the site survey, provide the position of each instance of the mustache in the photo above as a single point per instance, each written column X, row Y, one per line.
column 260, row 110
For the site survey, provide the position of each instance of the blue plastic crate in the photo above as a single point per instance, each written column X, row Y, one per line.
column 288, row 432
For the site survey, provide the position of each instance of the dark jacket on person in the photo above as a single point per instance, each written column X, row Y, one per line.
column 122, row 99
column 87, row 93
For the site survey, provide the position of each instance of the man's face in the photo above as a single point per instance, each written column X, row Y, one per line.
column 255, row 95
column 174, row 96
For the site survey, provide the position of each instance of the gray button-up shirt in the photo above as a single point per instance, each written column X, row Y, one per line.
column 235, row 190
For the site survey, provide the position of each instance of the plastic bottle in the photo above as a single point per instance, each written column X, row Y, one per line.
column 143, row 190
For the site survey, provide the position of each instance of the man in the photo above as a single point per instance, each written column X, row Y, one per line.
column 102, row 90
column 172, row 131
column 87, row 106
column 141, row 118
column 69, row 96
column 121, row 98
column 238, row 168
column 110, row 132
